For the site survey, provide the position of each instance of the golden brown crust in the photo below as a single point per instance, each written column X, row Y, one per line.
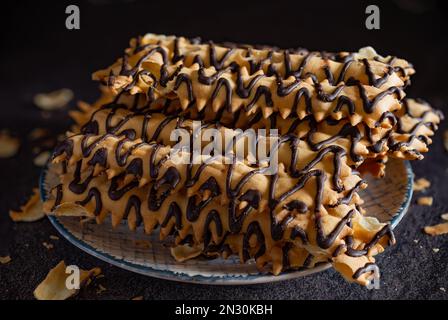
column 409, row 138
column 165, row 69
column 335, row 67
column 334, row 112
column 314, row 208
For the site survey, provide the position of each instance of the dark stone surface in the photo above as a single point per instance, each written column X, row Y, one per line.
column 38, row 54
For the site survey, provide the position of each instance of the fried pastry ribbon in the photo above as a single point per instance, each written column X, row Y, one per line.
column 336, row 114
column 156, row 71
column 312, row 205
column 409, row 138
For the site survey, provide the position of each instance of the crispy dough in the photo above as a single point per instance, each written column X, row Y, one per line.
column 53, row 287
column 53, row 100
column 31, row 211
column 41, row 159
column 395, row 128
column 425, row 201
column 5, row 260
column 69, row 210
column 438, row 229
column 184, row 252
column 8, row 145
column 47, row 245
column 421, row 184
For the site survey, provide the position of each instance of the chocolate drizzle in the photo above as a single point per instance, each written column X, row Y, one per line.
column 264, row 61
column 127, row 141
column 227, row 66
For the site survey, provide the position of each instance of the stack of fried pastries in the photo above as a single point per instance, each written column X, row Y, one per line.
column 329, row 118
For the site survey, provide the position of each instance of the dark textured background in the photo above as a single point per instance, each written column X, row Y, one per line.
column 38, row 54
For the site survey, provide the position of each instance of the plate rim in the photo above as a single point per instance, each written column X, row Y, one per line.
column 248, row 279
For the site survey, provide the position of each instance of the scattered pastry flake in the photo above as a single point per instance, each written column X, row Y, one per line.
column 100, row 289
column 444, row 216
column 38, row 133
column 42, row 159
column 185, row 252
column 54, row 285
column 31, row 211
column 5, row 260
column 442, row 289
column 53, row 100
column 416, row 240
column 137, row 298
column 438, row 229
column 47, row 245
column 445, row 140
column 421, row 184
column 54, row 237
column 425, row 201
column 8, row 145
column 435, row 250
column 71, row 210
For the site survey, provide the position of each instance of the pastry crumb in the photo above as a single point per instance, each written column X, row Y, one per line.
column 52, row 237
column 421, row 184
column 41, row 159
column 438, row 229
column 47, row 245
column 30, row 211
column 5, row 260
column 9, row 146
column 442, row 289
column 53, row 100
column 444, row 216
column 415, row 240
column 54, row 287
column 425, row 201
column 435, row 250
column 185, row 252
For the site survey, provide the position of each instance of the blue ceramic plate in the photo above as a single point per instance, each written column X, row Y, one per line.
column 387, row 199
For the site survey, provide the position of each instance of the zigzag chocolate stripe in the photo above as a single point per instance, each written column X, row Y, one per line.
column 266, row 94
column 417, row 122
column 233, row 89
column 175, row 216
column 365, row 66
column 117, row 112
column 359, row 142
column 149, row 161
column 208, row 231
